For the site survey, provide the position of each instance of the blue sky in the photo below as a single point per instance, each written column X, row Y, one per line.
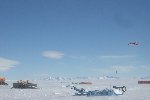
column 74, row 38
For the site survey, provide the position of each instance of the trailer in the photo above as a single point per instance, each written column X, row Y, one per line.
column 144, row 82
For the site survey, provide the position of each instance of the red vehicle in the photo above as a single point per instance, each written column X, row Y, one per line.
column 85, row 83
column 2, row 81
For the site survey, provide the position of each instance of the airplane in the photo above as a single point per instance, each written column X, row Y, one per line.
column 133, row 43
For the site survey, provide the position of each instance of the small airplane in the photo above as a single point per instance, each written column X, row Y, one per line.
column 133, row 43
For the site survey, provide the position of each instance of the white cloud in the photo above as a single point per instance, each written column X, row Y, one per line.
column 6, row 64
column 53, row 54
column 116, row 56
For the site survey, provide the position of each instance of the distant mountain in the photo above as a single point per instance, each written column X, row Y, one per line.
column 108, row 77
column 147, row 77
column 56, row 78
column 60, row 78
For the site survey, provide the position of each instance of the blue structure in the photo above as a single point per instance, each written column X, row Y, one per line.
column 80, row 92
column 104, row 92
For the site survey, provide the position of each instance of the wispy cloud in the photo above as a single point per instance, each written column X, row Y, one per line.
column 77, row 57
column 144, row 68
column 53, row 54
column 112, row 69
column 124, row 71
column 116, row 56
column 6, row 64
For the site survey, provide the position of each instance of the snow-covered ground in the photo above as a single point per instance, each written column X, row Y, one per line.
column 57, row 90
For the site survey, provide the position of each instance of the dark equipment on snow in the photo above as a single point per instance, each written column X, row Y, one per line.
column 24, row 85
column 81, row 92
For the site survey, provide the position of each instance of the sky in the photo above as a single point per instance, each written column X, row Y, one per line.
column 74, row 38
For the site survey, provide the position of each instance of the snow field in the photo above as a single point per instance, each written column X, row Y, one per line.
column 57, row 90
